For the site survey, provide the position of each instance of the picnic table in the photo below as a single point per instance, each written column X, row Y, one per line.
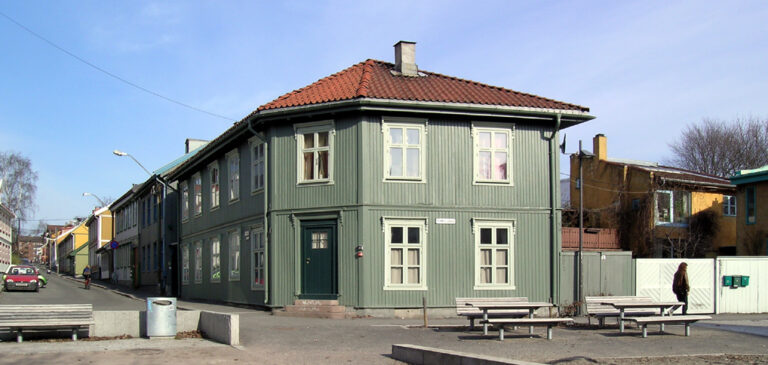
column 530, row 306
column 664, row 307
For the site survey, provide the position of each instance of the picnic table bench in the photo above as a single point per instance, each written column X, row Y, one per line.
column 466, row 307
column 600, row 307
column 549, row 322
column 687, row 319
column 45, row 316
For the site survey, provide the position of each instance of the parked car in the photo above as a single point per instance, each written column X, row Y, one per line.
column 21, row 277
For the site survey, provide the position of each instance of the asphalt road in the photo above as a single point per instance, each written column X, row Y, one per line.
column 61, row 290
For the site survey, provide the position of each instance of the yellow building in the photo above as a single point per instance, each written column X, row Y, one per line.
column 660, row 211
column 752, row 211
column 72, row 250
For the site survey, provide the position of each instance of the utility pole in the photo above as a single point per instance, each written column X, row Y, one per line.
column 581, row 231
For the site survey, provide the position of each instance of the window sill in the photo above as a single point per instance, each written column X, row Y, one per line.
column 405, row 180
column 314, row 183
column 492, row 183
column 257, row 288
column 257, row 191
column 214, row 208
column 233, row 201
column 234, row 279
column 671, row 225
column 215, row 281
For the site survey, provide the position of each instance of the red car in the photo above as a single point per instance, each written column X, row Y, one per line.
column 21, row 278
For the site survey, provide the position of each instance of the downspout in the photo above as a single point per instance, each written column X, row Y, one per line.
column 267, row 234
column 553, row 184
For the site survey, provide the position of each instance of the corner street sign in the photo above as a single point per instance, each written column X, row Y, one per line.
column 113, row 244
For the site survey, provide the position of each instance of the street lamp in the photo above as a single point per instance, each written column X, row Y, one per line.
column 121, row 154
column 97, row 198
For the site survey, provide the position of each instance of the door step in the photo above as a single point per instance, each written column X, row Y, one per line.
column 311, row 308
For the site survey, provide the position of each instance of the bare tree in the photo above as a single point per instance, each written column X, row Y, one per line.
column 19, row 184
column 716, row 147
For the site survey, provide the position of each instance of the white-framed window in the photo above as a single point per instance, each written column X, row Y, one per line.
column 185, row 263
column 258, row 156
column 197, row 190
column 314, row 142
column 405, row 255
column 494, row 254
column 673, row 207
column 257, row 258
column 729, row 205
column 234, row 255
column 215, row 259
column 184, row 201
column 198, row 262
column 233, row 173
column 492, row 153
column 404, row 149
column 213, row 173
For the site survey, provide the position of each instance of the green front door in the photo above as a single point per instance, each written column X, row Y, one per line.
column 318, row 258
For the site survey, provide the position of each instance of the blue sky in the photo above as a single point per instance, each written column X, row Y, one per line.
column 646, row 69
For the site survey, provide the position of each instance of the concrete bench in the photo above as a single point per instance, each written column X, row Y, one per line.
column 464, row 308
column 598, row 310
column 643, row 322
column 45, row 316
column 549, row 322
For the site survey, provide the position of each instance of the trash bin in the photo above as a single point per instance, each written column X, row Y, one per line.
column 727, row 280
column 161, row 317
column 744, row 280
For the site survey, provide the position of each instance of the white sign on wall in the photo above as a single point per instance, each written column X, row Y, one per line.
column 445, row 220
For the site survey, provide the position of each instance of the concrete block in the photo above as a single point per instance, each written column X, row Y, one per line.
column 221, row 327
column 421, row 355
column 187, row 320
column 116, row 323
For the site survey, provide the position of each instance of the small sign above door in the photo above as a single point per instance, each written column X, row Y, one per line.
column 445, row 220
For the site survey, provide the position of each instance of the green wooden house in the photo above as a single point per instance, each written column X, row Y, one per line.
column 378, row 186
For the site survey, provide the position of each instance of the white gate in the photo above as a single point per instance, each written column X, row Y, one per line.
column 654, row 279
column 750, row 299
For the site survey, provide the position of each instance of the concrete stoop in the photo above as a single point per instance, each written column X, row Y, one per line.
column 311, row 308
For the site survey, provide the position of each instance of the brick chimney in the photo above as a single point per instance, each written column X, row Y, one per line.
column 600, row 146
column 405, row 58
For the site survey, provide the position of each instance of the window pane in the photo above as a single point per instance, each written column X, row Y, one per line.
column 397, row 275
column 484, row 139
column 309, row 140
column 395, row 162
column 484, row 164
column 485, row 257
column 309, row 165
column 500, row 168
column 501, row 275
column 322, row 139
column 397, row 235
column 413, row 235
column 413, row 136
column 413, row 275
column 397, row 257
column 501, row 236
column 322, row 169
column 501, row 258
column 485, row 275
column 500, row 140
column 663, row 207
column 682, row 206
column 396, row 135
column 485, row 236
column 413, row 257
column 413, row 162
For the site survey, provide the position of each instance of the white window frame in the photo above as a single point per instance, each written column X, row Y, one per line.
column 493, row 128
column 234, row 256
column 671, row 221
column 185, row 264
column 197, row 194
column 233, row 177
column 215, row 258
column 184, row 201
column 258, row 251
column 509, row 225
column 314, row 127
column 389, row 123
column 214, row 178
column 421, row 223
column 729, row 204
column 198, row 262
column 256, row 163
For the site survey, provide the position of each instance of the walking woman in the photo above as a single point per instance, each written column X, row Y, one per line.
column 680, row 285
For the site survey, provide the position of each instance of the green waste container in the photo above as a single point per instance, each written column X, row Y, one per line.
column 744, row 280
column 736, row 281
column 727, row 280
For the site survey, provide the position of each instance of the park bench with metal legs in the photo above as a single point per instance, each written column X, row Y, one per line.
column 465, row 308
column 597, row 308
column 548, row 322
column 643, row 322
column 45, row 317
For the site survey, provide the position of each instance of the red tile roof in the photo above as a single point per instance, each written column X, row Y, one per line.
column 374, row 79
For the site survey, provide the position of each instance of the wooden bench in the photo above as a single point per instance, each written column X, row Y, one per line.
column 45, row 316
column 464, row 308
column 596, row 308
column 549, row 322
column 643, row 322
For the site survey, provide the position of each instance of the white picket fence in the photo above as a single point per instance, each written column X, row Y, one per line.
column 708, row 294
